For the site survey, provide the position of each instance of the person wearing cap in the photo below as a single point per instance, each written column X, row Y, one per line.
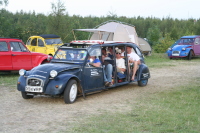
column 135, row 60
column 120, row 64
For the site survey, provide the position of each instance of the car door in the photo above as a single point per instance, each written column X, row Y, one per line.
column 93, row 76
column 21, row 57
column 41, row 48
column 196, row 46
column 5, row 56
column 32, row 44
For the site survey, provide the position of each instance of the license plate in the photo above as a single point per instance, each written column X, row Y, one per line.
column 175, row 54
column 34, row 89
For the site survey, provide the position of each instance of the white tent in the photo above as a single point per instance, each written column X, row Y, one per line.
column 113, row 31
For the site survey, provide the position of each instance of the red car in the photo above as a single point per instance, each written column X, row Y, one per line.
column 14, row 55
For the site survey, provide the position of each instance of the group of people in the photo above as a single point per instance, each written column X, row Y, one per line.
column 133, row 59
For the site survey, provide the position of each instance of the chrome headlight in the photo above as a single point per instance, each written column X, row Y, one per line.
column 169, row 48
column 53, row 73
column 22, row 72
column 183, row 48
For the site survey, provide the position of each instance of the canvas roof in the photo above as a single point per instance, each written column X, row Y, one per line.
column 113, row 31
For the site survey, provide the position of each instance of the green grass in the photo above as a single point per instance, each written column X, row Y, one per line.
column 157, row 60
column 175, row 111
column 8, row 79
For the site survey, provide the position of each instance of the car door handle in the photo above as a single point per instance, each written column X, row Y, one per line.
column 13, row 54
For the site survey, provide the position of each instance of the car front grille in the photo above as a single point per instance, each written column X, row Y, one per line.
column 175, row 53
column 34, row 82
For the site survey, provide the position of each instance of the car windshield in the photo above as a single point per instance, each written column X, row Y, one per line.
column 53, row 41
column 77, row 55
column 186, row 41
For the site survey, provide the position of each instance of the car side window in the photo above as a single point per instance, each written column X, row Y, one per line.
column 28, row 42
column 3, row 46
column 197, row 41
column 40, row 43
column 138, row 52
column 15, row 46
column 22, row 47
column 34, row 42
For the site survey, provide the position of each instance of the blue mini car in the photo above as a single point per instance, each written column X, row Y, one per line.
column 70, row 75
column 188, row 46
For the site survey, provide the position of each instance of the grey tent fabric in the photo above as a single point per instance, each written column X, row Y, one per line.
column 116, row 31
column 144, row 46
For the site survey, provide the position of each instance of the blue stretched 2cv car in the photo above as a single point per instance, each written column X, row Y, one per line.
column 188, row 46
column 70, row 75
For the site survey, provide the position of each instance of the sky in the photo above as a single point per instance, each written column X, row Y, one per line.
column 177, row 9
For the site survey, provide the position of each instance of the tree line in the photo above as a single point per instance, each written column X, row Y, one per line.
column 161, row 33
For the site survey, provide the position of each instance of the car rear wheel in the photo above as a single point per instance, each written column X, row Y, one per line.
column 143, row 82
column 70, row 93
column 25, row 96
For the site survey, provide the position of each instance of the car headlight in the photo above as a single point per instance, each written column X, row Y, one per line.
column 53, row 73
column 22, row 72
column 169, row 48
column 183, row 48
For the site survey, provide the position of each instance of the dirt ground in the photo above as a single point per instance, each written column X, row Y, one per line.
column 51, row 114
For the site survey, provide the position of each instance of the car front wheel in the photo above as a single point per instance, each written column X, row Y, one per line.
column 25, row 96
column 70, row 93
column 143, row 82
column 189, row 57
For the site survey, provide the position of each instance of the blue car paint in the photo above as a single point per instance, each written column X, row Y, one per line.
column 183, row 53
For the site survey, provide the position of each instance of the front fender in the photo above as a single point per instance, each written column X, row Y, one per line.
column 21, row 84
column 185, row 52
column 37, row 60
column 57, row 85
column 143, row 72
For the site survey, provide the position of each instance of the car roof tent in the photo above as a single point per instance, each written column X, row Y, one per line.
column 113, row 31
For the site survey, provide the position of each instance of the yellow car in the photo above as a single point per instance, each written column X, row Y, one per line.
column 47, row 44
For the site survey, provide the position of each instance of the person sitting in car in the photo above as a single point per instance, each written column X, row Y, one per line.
column 94, row 61
column 120, row 64
column 133, row 59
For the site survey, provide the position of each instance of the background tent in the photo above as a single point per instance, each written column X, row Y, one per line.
column 144, row 46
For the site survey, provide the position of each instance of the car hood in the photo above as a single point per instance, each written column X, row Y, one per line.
column 45, row 69
column 179, row 47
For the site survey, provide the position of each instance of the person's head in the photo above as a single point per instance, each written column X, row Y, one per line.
column 118, row 53
column 104, row 51
column 128, row 50
column 110, row 49
column 122, row 48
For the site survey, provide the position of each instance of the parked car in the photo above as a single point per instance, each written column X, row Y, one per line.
column 15, row 56
column 70, row 74
column 188, row 46
column 47, row 44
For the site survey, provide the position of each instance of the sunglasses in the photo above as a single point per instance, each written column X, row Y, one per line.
column 118, row 53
